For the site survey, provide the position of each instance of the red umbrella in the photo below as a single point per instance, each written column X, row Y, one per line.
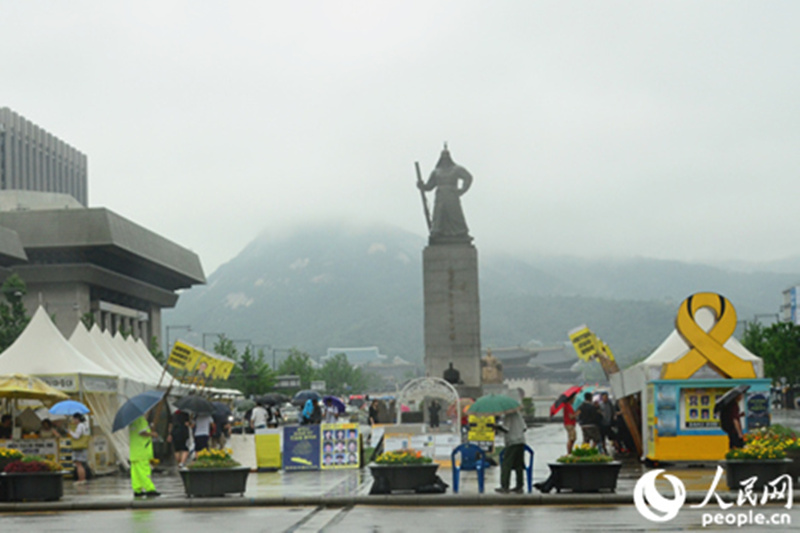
column 565, row 397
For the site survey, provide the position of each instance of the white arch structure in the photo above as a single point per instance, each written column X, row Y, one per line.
column 420, row 388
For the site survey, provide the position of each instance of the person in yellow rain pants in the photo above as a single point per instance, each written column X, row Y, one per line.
column 141, row 440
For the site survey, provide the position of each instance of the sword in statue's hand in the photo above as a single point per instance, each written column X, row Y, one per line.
column 420, row 186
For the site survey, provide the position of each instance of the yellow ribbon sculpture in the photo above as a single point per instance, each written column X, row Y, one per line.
column 707, row 347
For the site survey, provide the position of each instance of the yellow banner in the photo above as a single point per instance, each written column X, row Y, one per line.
column 585, row 342
column 199, row 365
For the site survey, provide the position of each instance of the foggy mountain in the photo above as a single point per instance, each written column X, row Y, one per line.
column 337, row 286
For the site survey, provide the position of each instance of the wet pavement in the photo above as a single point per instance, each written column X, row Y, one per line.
column 338, row 501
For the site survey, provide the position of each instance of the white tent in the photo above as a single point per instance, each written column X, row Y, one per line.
column 86, row 344
column 147, row 362
column 635, row 378
column 41, row 350
column 106, row 343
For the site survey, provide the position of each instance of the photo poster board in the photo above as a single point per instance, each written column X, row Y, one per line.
column 479, row 432
column 698, row 407
column 268, row 449
column 301, row 448
column 339, row 448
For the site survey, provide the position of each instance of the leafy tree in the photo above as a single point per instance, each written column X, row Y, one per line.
column 88, row 320
column 341, row 377
column 779, row 346
column 158, row 353
column 13, row 317
column 298, row 364
column 252, row 374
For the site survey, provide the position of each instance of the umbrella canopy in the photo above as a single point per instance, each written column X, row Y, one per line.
column 195, row 404
column 29, row 388
column 303, row 396
column 244, row 405
column 493, row 404
column 566, row 396
column 578, row 399
column 68, row 407
column 729, row 397
column 221, row 409
column 336, row 402
column 137, row 406
column 273, row 398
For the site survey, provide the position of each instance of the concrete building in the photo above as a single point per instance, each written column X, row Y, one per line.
column 31, row 159
column 77, row 261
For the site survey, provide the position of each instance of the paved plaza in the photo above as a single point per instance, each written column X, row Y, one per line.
column 335, row 501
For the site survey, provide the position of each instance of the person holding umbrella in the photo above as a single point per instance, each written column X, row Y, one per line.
column 730, row 414
column 79, row 433
column 141, row 442
column 513, row 430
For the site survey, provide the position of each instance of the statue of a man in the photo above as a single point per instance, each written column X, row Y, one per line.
column 448, row 225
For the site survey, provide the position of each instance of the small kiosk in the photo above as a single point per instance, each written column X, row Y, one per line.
column 678, row 384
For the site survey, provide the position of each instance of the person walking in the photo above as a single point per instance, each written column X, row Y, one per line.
column 141, row 453
column 259, row 418
column 80, row 433
column 569, row 424
column 607, row 418
column 202, row 431
column 433, row 413
column 589, row 419
column 179, row 428
column 729, row 421
column 513, row 430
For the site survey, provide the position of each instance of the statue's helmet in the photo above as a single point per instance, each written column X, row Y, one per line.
column 444, row 159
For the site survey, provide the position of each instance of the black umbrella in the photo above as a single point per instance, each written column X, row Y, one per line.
column 195, row 404
column 221, row 408
column 729, row 397
column 303, row 396
column 273, row 398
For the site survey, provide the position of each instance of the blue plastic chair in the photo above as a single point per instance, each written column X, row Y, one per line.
column 468, row 451
column 528, row 453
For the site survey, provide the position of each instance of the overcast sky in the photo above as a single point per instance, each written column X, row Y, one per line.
column 658, row 129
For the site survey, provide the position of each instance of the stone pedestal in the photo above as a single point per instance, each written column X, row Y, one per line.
column 452, row 312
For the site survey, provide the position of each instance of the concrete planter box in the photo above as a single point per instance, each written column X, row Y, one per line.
column 794, row 468
column 765, row 471
column 390, row 478
column 201, row 482
column 31, row 486
column 585, row 477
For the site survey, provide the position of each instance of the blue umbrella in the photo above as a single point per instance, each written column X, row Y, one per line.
column 579, row 397
column 137, row 406
column 304, row 395
column 68, row 407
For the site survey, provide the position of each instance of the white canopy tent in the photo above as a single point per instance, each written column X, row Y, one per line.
column 41, row 350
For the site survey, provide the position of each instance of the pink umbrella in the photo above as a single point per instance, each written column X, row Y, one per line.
column 405, row 409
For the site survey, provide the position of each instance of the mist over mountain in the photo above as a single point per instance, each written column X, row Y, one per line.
column 336, row 285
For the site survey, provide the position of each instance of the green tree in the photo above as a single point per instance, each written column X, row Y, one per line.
column 158, row 353
column 13, row 317
column 252, row 374
column 341, row 377
column 298, row 364
column 778, row 345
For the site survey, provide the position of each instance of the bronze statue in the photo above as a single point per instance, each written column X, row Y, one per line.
column 491, row 368
column 448, row 224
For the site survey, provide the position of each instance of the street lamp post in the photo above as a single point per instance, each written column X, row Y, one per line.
column 274, row 352
column 167, row 347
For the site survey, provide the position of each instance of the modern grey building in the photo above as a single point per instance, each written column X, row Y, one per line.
column 32, row 159
column 76, row 260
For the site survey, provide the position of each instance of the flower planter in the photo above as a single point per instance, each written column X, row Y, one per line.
column 765, row 470
column 31, row 486
column 200, row 482
column 794, row 468
column 585, row 477
column 390, row 478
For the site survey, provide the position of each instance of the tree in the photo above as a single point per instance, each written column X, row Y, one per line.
column 779, row 346
column 298, row 364
column 341, row 377
column 13, row 317
column 158, row 353
column 252, row 374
